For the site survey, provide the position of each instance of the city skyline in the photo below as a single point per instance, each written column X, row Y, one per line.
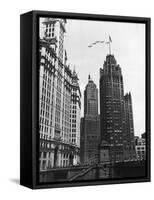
column 128, row 50
column 131, row 59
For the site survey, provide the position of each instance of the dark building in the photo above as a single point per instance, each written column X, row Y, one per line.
column 115, row 111
column 136, row 139
column 129, row 141
column 90, row 125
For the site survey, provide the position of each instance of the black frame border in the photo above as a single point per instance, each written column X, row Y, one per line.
column 33, row 172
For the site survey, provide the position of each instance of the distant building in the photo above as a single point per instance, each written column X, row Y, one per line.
column 129, row 142
column 116, row 117
column 143, row 135
column 90, row 125
column 136, row 139
column 140, row 146
column 58, row 147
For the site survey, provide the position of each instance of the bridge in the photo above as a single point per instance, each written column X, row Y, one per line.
column 94, row 171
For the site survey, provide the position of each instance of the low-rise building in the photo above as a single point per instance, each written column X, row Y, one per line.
column 140, row 146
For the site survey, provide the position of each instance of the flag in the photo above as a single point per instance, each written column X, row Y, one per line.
column 110, row 40
column 96, row 42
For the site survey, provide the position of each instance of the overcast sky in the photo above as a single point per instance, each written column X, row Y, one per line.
column 128, row 47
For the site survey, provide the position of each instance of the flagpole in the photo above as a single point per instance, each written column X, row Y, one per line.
column 110, row 40
column 109, row 48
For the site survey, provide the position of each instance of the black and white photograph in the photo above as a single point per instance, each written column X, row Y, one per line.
column 76, row 100
column 92, row 100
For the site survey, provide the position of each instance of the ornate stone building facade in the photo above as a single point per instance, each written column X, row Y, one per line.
column 75, row 109
column 56, row 90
